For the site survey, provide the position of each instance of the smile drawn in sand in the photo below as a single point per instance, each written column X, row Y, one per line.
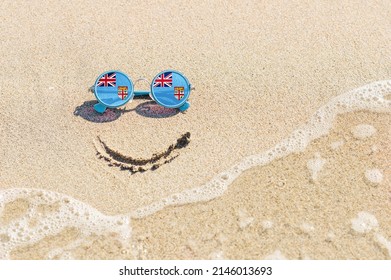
column 134, row 165
column 114, row 89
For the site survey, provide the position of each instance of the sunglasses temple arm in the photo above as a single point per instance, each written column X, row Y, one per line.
column 136, row 93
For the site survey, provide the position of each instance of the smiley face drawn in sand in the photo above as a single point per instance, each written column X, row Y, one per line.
column 134, row 165
column 110, row 91
column 128, row 163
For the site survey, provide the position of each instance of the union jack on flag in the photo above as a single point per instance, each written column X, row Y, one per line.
column 163, row 80
column 107, row 80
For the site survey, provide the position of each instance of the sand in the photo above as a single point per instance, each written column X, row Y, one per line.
column 260, row 71
column 279, row 207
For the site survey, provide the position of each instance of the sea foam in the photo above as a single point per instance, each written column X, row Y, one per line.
column 363, row 131
column 49, row 213
column 364, row 222
column 374, row 176
column 315, row 165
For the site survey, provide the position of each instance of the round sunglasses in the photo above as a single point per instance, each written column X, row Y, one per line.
column 169, row 88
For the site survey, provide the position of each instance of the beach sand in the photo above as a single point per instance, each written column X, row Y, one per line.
column 260, row 70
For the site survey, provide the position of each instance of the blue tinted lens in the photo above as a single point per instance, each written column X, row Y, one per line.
column 170, row 89
column 113, row 89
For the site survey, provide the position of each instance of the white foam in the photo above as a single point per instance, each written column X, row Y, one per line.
column 363, row 131
column 315, row 165
column 65, row 212
column 374, row 176
column 336, row 144
column 305, row 256
column 374, row 149
column 216, row 255
column 267, row 224
column 307, row 228
column 244, row 220
column 276, row 255
column 369, row 97
column 364, row 223
column 65, row 252
column 330, row 236
column 384, row 242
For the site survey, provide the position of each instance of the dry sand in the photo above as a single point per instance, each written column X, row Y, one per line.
column 260, row 71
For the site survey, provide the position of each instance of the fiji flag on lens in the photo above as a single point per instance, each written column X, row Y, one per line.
column 113, row 89
column 170, row 89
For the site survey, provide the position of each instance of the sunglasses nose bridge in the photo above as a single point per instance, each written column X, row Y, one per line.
column 141, row 92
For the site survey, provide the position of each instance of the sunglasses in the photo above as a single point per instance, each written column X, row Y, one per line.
column 169, row 89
